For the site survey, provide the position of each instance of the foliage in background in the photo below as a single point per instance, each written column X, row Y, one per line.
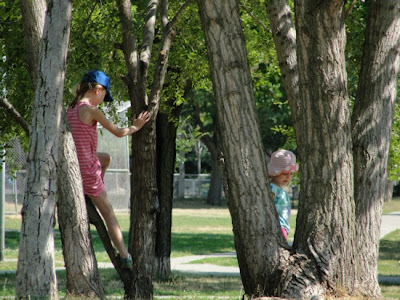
column 394, row 153
column 15, row 83
column 94, row 44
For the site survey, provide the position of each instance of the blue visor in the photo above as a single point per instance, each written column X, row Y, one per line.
column 101, row 78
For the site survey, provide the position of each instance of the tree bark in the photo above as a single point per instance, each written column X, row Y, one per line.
column 260, row 246
column 284, row 35
column 325, row 223
column 215, row 190
column 166, row 152
column 372, row 122
column 82, row 274
column 145, row 197
column 36, row 273
column 144, row 201
column 33, row 13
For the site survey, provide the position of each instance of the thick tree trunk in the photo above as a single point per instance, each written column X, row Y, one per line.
column 83, row 277
column 259, row 243
column 145, row 197
column 372, row 123
column 325, row 222
column 36, row 274
column 144, row 211
column 80, row 263
column 166, row 152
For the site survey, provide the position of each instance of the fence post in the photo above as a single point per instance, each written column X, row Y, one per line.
column 2, row 202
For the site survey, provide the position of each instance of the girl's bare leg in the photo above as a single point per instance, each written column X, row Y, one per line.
column 103, row 204
column 105, row 161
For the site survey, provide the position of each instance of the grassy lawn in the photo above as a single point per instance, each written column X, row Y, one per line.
column 196, row 229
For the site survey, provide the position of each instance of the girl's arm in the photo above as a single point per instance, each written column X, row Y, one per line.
column 97, row 115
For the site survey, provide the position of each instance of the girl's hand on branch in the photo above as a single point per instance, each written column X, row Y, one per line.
column 139, row 122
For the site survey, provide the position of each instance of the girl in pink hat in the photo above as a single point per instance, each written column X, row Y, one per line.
column 280, row 170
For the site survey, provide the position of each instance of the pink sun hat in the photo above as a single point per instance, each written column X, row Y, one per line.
column 282, row 160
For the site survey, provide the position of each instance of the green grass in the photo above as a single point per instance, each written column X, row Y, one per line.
column 219, row 261
column 196, row 229
column 392, row 206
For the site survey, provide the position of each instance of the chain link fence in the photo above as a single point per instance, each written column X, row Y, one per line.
column 117, row 177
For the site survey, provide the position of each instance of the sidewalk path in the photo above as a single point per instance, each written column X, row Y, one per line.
column 390, row 222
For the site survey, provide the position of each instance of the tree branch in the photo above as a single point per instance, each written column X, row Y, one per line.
column 15, row 114
column 179, row 13
column 97, row 221
column 261, row 23
column 148, row 34
column 128, row 46
column 348, row 11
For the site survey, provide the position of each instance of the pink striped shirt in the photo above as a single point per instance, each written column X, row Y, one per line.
column 85, row 138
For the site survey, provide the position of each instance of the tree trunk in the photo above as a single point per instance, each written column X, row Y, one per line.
column 215, row 190
column 36, row 273
column 284, row 35
column 372, row 123
column 181, row 180
column 260, row 246
column 145, row 197
column 325, row 222
column 33, row 13
column 83, row 277
column 80, row 263
column 166, row 147
column 143, row 164
column 389, row 191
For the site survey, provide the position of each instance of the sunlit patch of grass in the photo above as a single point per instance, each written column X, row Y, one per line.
column 390, row 291
column 391, row 206
column 198, row 287
column 220, row 261
column 389, row 254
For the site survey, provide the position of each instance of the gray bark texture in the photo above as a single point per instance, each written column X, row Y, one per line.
column 80, row 263
column 36, row 273
column 33, row 13
column 166, row 150
column 261, row 250
column 214, row 194
column 372, row 123
column 325, row 227
column 284, row 35
column 145, row 195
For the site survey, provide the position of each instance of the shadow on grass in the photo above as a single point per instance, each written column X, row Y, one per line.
column 194, row 287
column 389, row 249
column 194, row 203
column 202, row 243
column 12, row 240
